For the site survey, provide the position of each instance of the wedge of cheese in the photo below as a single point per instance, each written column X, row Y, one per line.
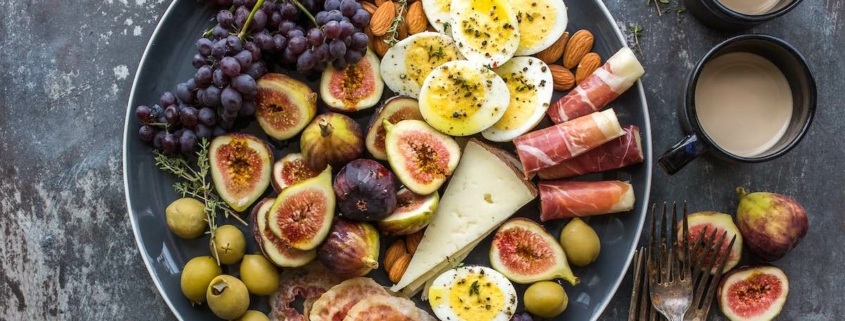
column 485, row 190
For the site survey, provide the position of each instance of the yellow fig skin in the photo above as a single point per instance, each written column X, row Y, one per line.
column 331, row 139
column 771, row 224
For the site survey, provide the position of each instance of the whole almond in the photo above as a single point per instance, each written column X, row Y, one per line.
column 562, row 77
column 578, row 46
column 412, row 241
column 382, row 18
column 587, row 66
column 393, row 253
column 416, row 20
column 379, row 46
column 369, row 7
column 551, row 54
column 398, row 269
column 402, row 31
column 380, row 2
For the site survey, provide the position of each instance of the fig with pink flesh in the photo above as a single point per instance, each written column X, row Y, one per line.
column 413, row 213
column 356, row 87
column 772, row 224
column 283, row 105
column 274, row 248
column 421, row 157
column 753, row 293
column 302, row 214
column 394, row 110
column 351, row 250
column 331, row 139
column 707, row 223
column 240, row 168
column 525, row 253
column 290, row 170
column 365, row 190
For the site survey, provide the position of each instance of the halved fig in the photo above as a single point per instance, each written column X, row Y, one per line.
column 707, row 222
column 413, row 213
column 753, row 293
column 284, row 106
column 290, row 170
column 394, row 110
column 525, row 253
column 421, row 157
column 356, row 87
column 274, row 248
column 240, row 168
column 303, row 213
column 365, row 190
column 331, row 139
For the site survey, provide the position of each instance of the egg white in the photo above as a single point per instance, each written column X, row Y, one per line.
column 444, row 284
column 485, row 31
column 405, row 66
column 461, row 98
column 541, row 23
column 437, row 12
column 529, row 82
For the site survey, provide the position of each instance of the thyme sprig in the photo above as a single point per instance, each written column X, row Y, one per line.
column 637, row 31
column 393, row 31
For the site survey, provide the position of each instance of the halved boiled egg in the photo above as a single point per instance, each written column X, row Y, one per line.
column 405, row 65
column 541, row 23
column 462, row 98
column 472, row 293
column 485, row 31
column 437, row 12
column 529, row 82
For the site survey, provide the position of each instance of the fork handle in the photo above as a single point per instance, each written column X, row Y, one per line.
column 677, row 318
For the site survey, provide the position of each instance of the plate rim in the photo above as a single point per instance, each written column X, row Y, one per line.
column 157, row 281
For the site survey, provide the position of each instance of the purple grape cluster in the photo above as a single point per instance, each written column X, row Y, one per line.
column 177, row 127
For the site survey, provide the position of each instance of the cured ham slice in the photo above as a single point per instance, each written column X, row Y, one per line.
column 623, row 151
column 308, row 282
column 337, row 301
column 597, row 91
column 387, row 308
column 550, row 146
column 565, row 199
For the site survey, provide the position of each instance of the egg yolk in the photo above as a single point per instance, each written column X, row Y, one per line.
column 444, row 5
column 458, row 92
column 535, row 21
column 426, row 54
column 476, row 298
column 487, row 26
column 522, row 104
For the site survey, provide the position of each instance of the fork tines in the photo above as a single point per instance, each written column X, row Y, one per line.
column 707, row 256
column 670, row 282
column 641, row 308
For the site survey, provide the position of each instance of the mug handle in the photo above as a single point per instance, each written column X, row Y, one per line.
column 682, row 154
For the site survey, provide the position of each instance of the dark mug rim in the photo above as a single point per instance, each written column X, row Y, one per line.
column 756, row 18
column 692, row 116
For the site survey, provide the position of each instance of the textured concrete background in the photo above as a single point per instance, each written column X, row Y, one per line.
column 66, row 68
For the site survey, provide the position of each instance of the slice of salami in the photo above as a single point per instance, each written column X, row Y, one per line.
column 387, row 308
column 623, row 151
column 565, row 199
column 308, row 282
column 337, row 301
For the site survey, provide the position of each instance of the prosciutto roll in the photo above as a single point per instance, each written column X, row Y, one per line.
column 597, row 91
column 550, row 146
column 565, row 199
column 623, row 151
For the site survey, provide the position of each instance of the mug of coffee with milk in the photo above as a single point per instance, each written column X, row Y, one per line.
column 738, row 14
column 750, row 99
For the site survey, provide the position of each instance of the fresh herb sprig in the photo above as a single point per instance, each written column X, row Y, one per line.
column 474, row 288
column 393, row 32
column 637, row 31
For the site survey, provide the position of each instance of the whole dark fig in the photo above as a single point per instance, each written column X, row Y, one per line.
column 366, row 191
column 772, row 224
column 351, row 250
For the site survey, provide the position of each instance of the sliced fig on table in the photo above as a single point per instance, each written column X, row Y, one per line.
column 525, row 253
column 421, row 157
column 331, row 139
column 284, row 106
column 365, row 190
column 240, row 168
column 274, row 248
column 394, row 110
column 413, row 213
column 351, row 250
column 290, row 170
column 302, row 214
column 707, row 223
column 356, row 87
column 753, row 293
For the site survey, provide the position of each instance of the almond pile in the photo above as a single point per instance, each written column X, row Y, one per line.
column 384, row 13
column 573, row 52
column 398, row 255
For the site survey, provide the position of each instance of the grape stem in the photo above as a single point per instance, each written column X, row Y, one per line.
column 255, row 8
column 302, row 8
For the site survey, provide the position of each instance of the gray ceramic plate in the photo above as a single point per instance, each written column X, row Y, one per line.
column 166, row 62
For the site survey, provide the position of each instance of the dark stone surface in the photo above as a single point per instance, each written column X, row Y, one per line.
column 66, row 69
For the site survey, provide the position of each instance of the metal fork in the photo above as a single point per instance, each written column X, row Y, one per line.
column 670, row 284
column 641, row 308
column 703, row 265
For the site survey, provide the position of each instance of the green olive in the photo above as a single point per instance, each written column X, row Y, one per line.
column 229, row 244
column 186, row 218
column 259, row 274
column 580, row 242
column 227, row 297
column 197, row 275
column 545, row 299
column 253, row 315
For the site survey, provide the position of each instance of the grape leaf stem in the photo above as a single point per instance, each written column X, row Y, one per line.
column 255, row 8
column 306, row 12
